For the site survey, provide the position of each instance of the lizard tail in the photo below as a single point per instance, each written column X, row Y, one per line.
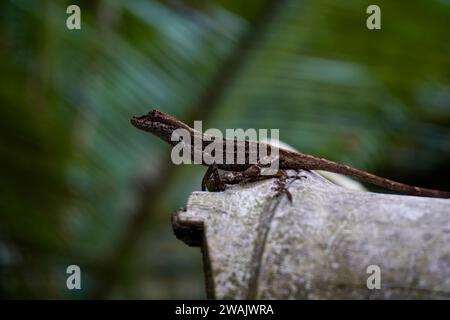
column 379, row 181
column 303, row 161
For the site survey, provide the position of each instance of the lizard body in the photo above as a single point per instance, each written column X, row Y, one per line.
column 163, row 125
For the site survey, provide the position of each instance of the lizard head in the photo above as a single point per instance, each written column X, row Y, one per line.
column 158, row 123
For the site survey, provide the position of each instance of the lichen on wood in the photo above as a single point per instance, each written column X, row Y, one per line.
column 257, row 245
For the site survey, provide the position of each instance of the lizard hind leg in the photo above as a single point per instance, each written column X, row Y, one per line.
column 280, row 187
column 253, row 173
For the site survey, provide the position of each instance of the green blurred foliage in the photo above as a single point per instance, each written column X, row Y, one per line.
column 80, row 185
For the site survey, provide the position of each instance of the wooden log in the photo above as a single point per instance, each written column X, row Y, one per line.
column 258, row 246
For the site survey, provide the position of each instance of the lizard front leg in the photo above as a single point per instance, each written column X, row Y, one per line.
column 215, row 182
column 253, row 173
column 212, row 180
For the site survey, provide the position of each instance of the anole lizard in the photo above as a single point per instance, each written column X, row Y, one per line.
column 162, row 125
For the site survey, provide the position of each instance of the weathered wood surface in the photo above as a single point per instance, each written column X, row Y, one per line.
column 318, row 247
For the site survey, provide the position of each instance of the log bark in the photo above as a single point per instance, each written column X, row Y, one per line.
column 259, row 246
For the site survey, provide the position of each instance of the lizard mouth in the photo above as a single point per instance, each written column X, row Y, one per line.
column 138, row 121
column 141, row 121
column 157, row 119
column 152, row 116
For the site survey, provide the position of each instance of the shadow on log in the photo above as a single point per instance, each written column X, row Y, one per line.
column 330, row 243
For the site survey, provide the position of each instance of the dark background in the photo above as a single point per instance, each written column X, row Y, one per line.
column 80, row 185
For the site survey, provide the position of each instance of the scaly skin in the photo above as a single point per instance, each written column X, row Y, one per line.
column 162, row 125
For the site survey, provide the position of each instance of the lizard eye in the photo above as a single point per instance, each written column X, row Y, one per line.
column 154, row 114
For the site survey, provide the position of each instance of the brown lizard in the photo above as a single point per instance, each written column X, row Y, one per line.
column 163, row 125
